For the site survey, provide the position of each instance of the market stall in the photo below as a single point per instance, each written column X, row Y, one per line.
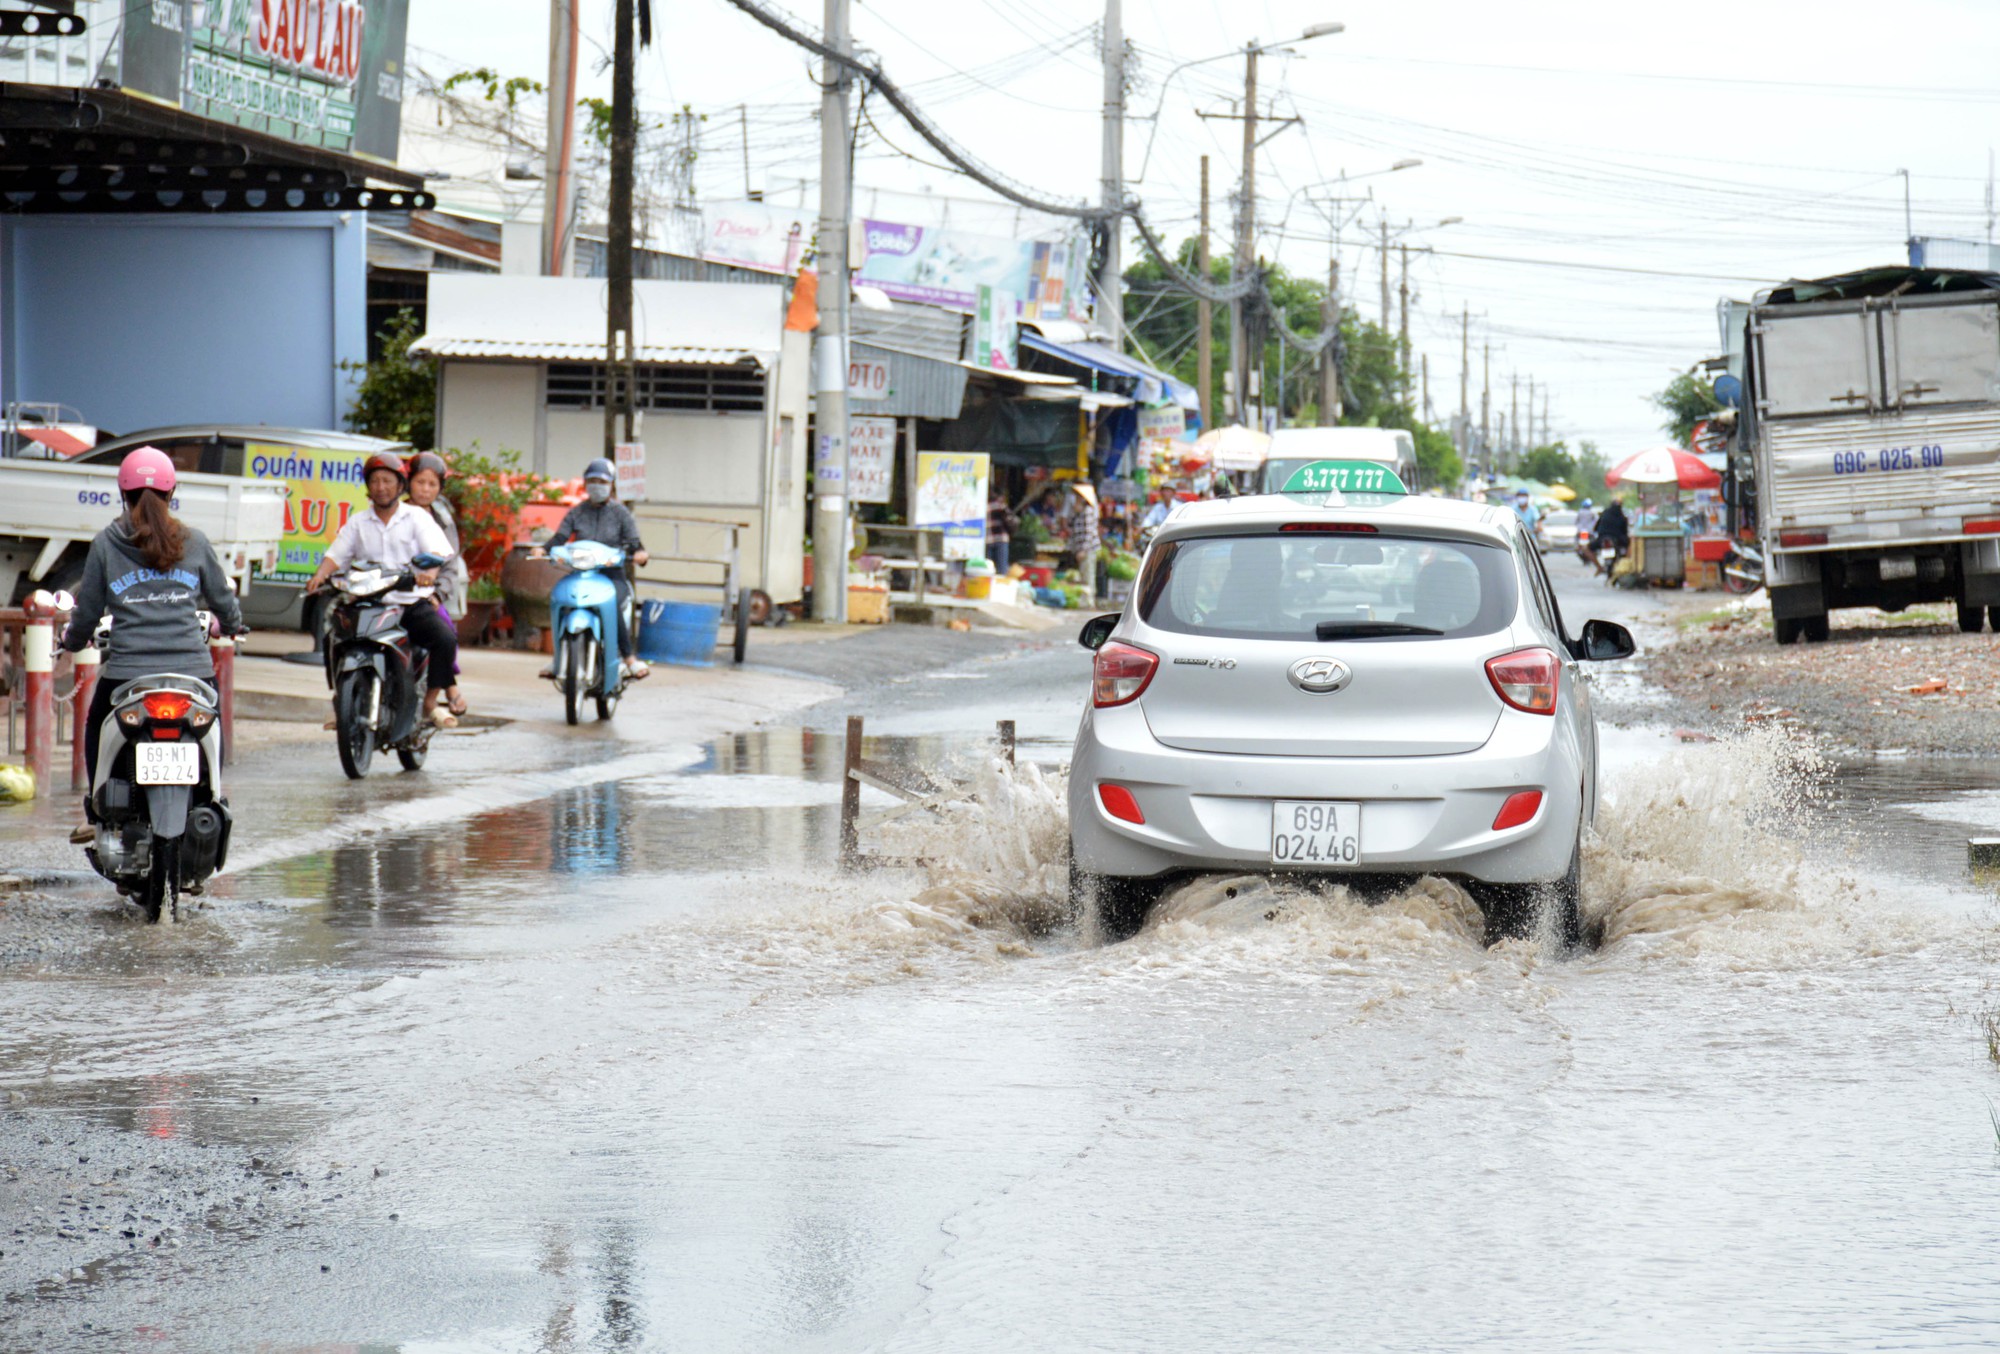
column 1660, row 528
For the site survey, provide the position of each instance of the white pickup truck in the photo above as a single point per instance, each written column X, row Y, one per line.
column 51, row 510
column 1868, row 458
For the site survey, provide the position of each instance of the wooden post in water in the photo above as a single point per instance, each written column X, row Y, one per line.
column 850, row 797
column 1007, row 740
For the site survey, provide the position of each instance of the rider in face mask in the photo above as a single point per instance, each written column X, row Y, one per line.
column 603, row 519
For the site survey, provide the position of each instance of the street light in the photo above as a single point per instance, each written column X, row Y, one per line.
column 1321, row 30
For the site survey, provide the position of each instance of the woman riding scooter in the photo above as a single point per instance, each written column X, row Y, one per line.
column 152, row 575
column 603, row 519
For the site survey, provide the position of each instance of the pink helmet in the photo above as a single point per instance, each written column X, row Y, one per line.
column 146, row 468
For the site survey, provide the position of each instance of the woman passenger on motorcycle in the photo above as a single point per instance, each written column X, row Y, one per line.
column 152, row 575
column 427, row 472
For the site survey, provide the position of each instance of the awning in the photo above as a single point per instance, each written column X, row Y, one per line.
column 1153, row 386
column 918, row 386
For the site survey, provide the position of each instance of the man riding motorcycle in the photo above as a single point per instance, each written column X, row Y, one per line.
column 152, row 575
column 392, row 534
column 603, row 519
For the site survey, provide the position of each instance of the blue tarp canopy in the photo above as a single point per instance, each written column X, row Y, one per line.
column 1154, row 387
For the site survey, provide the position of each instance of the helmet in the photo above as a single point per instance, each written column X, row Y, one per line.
column 600, row 469
column 428, row 460
column 146, row 468
column 1587, row 503
column 382, row 460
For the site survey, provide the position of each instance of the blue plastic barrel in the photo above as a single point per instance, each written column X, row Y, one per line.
column 679, row 632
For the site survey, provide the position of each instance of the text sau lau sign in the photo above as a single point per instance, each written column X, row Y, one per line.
column 871, row 458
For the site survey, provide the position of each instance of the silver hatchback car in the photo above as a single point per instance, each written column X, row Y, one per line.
column 1355, row 686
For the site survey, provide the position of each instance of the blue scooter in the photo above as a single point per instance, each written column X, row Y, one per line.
column 583, row 617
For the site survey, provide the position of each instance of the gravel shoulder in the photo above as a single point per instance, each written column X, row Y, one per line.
column 1908, row 683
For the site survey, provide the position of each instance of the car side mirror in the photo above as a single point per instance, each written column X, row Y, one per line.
column 1097, row 629
column 1606, row 641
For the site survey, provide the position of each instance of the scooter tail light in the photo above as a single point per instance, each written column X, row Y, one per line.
column 167, row 704
column 1526, row 679
column 1120, row 673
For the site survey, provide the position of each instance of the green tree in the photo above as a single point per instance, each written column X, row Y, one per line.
column 1549, row 464
column 1686, row 401
column 396, row 396
column 1590, row 468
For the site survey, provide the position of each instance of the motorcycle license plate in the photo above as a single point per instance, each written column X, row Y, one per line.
column 1313, row 832
column 167, row 763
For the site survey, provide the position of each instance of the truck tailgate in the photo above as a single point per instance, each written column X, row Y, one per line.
column 1876, row 468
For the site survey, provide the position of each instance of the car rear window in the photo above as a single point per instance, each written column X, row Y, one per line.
column 1286, row 586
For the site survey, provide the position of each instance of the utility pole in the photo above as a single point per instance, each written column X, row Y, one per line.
column 829, row 518
column 1486, row 406
column 1427, row 388
column 1244, row 260
column 1204, row 317
column 1514, row 417
column 1385, row 274
column 558, row 194
column 1531, row 444
column 1465, row 386
column 618, row 343
column 1329, row 359
column 1545, row 416
column 1111, row 277
column 1403, row 320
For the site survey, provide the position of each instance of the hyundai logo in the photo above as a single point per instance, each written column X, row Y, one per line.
column 1319, row 675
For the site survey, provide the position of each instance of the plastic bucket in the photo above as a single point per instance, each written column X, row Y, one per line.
column 679, row 632
column 978, row 587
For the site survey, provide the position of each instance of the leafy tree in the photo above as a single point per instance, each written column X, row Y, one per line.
column 1590, row 468
column 397, row 394
column 1549, row 464
column 1686, row 401
column 1437, row 458
column 487, row 494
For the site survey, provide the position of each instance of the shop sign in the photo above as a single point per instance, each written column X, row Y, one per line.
column 993, row 331
column 871, row 458
column 322, row 490
column 756, row 235
column 943, row 266
column 629, row 460
column 1165, row 423
column 867, row 379
column 324, row 73
column 951, row 493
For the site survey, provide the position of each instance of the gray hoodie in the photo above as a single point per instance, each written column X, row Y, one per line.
column 153, row 627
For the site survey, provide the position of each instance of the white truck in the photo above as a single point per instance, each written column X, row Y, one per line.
column 50, row 511
column 1867, row 457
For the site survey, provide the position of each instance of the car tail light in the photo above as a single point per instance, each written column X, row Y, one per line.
column 1121, row 673
column 1330, row 528
column 1791, row 539
column 1526, row 679
column 1982, row 526
column 1521, row 807
column 167, row 705
column 1119, row 803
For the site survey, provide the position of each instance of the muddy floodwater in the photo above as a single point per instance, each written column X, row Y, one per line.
column 633, row 1066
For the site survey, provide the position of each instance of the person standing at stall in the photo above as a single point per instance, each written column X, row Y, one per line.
column 1001, row 522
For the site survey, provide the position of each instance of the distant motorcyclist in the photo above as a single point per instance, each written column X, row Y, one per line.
column 151, row 574
column 1612, row 530
column 603, row 519
column 392, row 534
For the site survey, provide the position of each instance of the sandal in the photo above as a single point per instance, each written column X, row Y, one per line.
column 457, row 705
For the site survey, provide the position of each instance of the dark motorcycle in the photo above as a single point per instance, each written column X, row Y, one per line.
column 162, row 820
column 377, row 672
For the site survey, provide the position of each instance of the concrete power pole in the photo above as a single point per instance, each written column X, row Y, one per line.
column 1204, row 317
column 1465, row 386
column 1386, row 321
column 618, row 247
column 1329, row 360
column 829, row 518
column 1427, row 388
column 1403, row 320
column 1530, row 443
column 1244, row 260
column 1111, row 277
column 1486, row 405
column 1545, row 416
column 558, row 192
column 1514, row 418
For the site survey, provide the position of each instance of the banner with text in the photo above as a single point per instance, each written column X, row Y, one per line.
column 871, row 459
column 951, row 493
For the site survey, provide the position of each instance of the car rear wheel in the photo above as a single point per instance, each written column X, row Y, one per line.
column 1516, row 911
column 1118, row 905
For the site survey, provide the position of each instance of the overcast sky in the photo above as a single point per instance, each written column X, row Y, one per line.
column 1713, row 147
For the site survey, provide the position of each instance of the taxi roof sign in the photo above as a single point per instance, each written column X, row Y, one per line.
column 1347, row 477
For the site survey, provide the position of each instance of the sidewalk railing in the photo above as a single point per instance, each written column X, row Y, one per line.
column 47, row 707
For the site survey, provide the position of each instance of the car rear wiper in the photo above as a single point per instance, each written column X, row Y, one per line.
column 1368, row 629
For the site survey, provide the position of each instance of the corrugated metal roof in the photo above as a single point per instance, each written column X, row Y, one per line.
column 1026, row 378
column 539, row 319
column 912, row 328
column 919, row 386
column 533, row 351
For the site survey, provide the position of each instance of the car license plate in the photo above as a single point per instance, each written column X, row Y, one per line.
column 1314, row 832
column 167, row 763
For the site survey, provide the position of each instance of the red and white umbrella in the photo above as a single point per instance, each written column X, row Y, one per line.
column 1664, row 465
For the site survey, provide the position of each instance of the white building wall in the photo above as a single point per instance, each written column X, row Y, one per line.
column 493, row 404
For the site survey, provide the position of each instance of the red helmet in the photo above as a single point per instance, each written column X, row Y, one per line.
column 146, row 468
column 382, row 460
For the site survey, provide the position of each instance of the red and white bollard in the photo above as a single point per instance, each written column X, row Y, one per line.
column 79, row 717
column 222, row 652
column 38, row 651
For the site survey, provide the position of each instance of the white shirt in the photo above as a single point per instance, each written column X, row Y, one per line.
column 409, row 532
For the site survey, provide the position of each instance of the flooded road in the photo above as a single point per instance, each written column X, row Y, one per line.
column 631, row 1065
